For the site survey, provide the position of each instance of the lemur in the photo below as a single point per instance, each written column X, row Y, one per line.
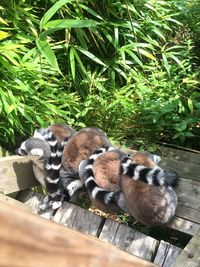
column 80, row 147
column 45, row 149
column 109, row 191
column 148, row 192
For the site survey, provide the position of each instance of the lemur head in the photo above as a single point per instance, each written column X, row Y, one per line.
column 57, row 131
column 146, row 159
column 34, row 147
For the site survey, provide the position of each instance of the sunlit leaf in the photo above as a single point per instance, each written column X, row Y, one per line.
column 56, row 25
column 165, row 63
column 3, row 35
column 190, row 105
column 49, row 14
column 146, row 54
column 91, row 56
column 48, row 53
column 72, row 62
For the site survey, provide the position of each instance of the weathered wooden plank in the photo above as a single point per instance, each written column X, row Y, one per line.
column 188, row 193
column 183, row 225
column 28, row 240
column 16, row 174
column 166, row 254
column 190, row 255
column 128, row 239
column 180, row 155
column 79, row 219
column 33, row 200
column 189, row 171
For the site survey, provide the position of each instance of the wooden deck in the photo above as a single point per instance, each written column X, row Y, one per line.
column 16, row 175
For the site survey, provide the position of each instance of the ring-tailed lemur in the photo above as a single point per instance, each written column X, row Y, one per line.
column 103, row 167
column 45, row 149
column 80, row 147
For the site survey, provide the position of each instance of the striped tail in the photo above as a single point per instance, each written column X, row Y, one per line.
column 53, row 165
column 152, row 176
column 97, row 193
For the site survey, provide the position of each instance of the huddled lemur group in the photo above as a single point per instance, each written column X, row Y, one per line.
column 68, row 163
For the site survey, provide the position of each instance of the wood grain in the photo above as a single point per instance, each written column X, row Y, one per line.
column 185, row 170
column 79, row 219
column 128, row 239
column 190, row 255
column 29, row 240
column 16, row 174
column 180, row 155
column 166, row 254
column 183, row 225
column 33, row 200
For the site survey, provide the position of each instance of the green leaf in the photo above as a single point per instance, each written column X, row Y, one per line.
column 91, row 56
column 158, row 32
column 49, row 14
column 190, row 105
column 59, row 24
column 92, row 12
column 146, row 53
column 166, row 64
column 72, row 62
column 80, row 62
column 48, row 53
column 137, row 60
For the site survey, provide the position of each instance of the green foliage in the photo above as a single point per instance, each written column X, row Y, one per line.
column 127, row 67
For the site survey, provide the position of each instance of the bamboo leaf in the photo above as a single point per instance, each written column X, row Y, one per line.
column 3, row 35
column 3, row 21
column 92, row 12
column 56, row 25
column 137, row 60
column 146, row 53
column 49, row 14
column 190, row 105
column 72, row 62
column 80, row 62
column 166, row 64
column 48, row 53
column 91, row 56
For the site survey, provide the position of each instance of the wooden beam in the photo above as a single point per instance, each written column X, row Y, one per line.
column 31, row 240
column 16, row 174
column 190, row 254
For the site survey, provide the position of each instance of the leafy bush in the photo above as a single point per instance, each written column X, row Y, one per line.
column 126, row 67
